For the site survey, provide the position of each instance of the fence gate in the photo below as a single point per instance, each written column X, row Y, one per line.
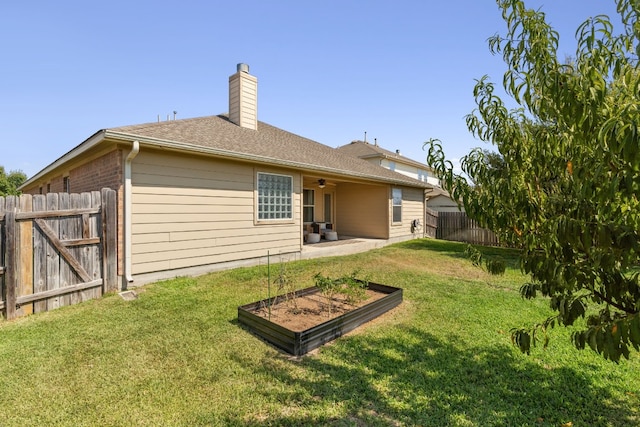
column 430, row 222
column 56, row 249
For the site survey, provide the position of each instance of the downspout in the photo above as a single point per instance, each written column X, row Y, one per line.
column 135, row 148
column 424, row 212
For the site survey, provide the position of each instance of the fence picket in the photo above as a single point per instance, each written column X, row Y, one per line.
column 56, row 250
column 25, row 260
column 93, row 228
column 109, row 240
column 11, row 274
column 66, row 232
column 39, row 257
column 53, row 257
column 2, row 248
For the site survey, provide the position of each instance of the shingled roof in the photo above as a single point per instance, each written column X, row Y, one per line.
column 217, row 135
column 365, row 150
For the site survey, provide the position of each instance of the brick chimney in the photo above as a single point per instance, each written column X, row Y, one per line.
column 243, row 98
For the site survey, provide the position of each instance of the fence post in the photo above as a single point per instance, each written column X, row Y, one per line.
column 109, row 240
column 12, row 264
column 24, row 285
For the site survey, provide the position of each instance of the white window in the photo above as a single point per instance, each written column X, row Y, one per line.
column 396, row 194
column 392, row 166
column 308, row 206
column 275, row 196
column 66, row 185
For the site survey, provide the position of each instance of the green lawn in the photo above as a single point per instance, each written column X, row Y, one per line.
column 176, row 356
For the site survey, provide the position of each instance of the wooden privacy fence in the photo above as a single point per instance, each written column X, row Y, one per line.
column 430, row 222
column 457, row 226
column 56, row 249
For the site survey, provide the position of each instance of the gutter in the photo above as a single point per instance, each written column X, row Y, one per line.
column 88, row 144
column 184, row 147
column 126, row 234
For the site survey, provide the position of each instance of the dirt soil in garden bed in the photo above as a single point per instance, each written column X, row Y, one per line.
column 304, row 312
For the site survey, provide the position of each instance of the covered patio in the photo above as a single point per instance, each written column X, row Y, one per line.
column 345, row 245
column 336, row 209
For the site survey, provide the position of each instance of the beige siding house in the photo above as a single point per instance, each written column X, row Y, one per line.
column 394, row 161
column 436, row 198
column 197, row 194
column 367, row 213
column 440, row 200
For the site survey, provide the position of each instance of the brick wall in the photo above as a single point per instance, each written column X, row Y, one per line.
column 106, row 171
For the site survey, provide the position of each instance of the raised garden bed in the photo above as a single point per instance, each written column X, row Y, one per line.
column 332, row 324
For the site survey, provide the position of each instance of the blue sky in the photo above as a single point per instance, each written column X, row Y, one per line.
column 402, row 71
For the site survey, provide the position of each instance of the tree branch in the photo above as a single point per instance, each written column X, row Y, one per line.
column 614, row 304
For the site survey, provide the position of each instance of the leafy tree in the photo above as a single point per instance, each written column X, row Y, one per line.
column 493, row 160
column 567, row 190
column 10, row 182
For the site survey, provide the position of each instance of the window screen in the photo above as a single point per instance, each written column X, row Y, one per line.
column 308, row 206
column 397, row 204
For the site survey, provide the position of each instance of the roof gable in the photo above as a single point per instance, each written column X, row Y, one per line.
column 365, row 150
